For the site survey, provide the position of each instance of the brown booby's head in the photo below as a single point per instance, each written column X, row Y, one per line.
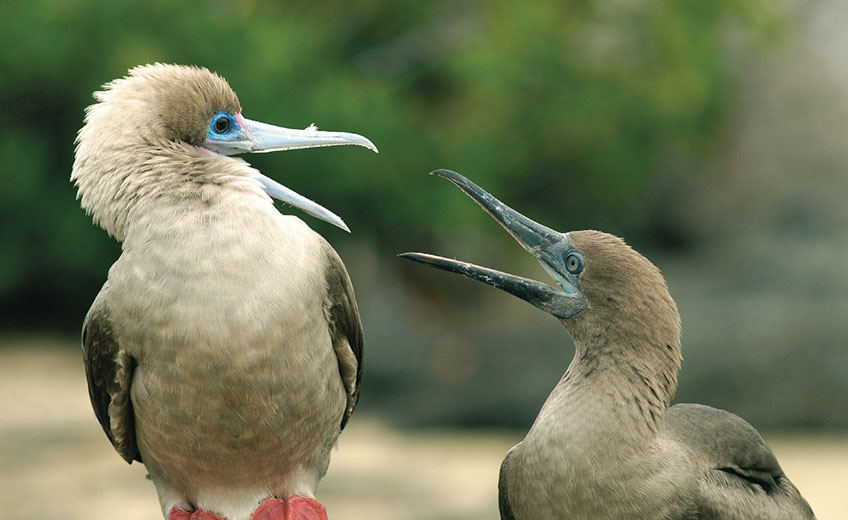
column 166, row 126
column 603, row 286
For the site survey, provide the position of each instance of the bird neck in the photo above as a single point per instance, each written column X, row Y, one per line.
column 614, row 393
column 638, row 375
column 118, row 185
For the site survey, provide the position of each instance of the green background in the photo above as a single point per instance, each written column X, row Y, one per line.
column 580, row 114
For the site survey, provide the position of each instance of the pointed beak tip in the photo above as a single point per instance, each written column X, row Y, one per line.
column 332, row 219
column 277, row 191
column 456, row 178
column 416, row 257
column 358, row 140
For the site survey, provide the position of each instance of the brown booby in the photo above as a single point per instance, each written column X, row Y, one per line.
column 225, row 349
column 606, row 444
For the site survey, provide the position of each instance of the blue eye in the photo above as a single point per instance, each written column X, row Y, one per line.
column 574, row 262
column 221, row 123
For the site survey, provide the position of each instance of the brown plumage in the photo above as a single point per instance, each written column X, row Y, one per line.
column 606, row 444
column 225, row 349
column 631, row 321
column 140, row 142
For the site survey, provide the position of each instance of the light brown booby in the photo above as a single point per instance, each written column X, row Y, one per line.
column 225, row 349
column 606, row 444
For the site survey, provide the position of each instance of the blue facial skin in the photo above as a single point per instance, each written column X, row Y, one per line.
column 223, row 127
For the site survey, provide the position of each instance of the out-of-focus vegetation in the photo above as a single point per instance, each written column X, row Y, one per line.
column 674, row 123
column 578, row 110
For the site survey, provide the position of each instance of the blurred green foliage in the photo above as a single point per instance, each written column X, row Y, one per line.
column 569, row 107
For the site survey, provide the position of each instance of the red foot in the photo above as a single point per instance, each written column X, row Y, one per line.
column 295, row 508
column 198, row 514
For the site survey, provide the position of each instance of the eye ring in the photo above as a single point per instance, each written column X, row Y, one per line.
column 574, row 262
column 221, row 124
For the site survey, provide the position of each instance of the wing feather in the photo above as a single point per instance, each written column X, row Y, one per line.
column 345, row 327
column 109, row 370
column 740, row 476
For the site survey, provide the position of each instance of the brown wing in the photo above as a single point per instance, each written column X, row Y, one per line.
column 345, row 327
column 109, row 370
column 740, row 477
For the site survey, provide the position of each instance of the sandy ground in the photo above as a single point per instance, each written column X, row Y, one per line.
column 55, row 463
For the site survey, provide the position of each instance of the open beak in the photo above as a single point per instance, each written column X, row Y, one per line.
column 249, row 136
column 549, row 247
column 263, row 137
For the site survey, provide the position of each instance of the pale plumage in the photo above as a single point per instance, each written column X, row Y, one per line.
column 606, row 444
column 225, row 349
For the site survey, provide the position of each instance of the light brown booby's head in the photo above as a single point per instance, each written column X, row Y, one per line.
column 165, row 103
column 167, row 130
column 606, row 292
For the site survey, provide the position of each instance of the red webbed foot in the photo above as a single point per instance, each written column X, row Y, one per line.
column 293, row 508
column 198, row 514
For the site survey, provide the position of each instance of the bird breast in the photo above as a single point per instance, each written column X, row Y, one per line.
column 236, row 378
column 590, row 442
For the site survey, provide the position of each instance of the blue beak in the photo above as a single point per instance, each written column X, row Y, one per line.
column 233, row 134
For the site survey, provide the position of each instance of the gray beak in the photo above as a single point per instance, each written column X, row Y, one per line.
column 549, row 247
column 270, row 138
column 247, row 136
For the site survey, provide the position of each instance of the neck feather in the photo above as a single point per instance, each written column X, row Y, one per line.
column 115, row 185
column 637, row 376
column 618, row 386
